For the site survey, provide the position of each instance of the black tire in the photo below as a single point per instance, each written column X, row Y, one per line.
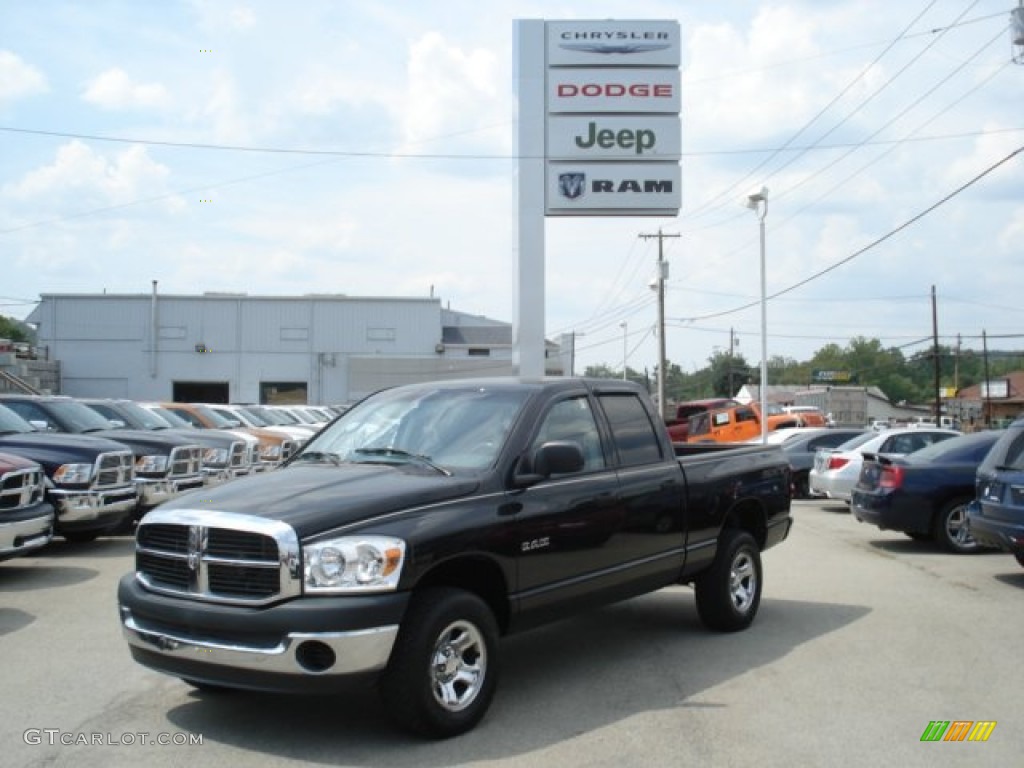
column 950, row 528
column 207, row 687
column 729, row 592
column 1019, row 556
column 801, row 485
column 918, row 536
column 443, row 669
column 80, row 537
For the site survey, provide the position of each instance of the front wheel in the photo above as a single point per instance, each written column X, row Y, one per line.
column 951, row 532
column 444, row 667
column 1020, row 558
column 729, row 592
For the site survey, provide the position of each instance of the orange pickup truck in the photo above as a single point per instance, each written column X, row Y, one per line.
column 736, row 424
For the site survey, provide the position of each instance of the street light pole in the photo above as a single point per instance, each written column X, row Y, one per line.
column 623, row 326
column 758, row 202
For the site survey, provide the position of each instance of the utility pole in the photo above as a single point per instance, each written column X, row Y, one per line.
column 661, row 277
column 732, row 344
column 935, row 345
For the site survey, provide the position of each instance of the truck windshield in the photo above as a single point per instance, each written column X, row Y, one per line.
column 452, row 428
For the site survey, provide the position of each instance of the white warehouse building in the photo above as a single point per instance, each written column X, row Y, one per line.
column 219, row 347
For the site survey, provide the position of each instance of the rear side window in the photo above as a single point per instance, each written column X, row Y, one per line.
column 1008, row 452
column 632, row 430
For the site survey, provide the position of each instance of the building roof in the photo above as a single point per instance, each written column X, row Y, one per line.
column 1015, row 386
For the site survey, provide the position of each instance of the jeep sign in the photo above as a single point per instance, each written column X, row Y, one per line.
column 614, row 137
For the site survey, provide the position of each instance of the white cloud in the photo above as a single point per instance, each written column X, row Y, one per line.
column 90, row 177
column 114, row 89
column 18, row 79
column 445, row 84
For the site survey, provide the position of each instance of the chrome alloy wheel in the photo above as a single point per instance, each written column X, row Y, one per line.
column 742, row 581
column 458, row 665
column 956, row 529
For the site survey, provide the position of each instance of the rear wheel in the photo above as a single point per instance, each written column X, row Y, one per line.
column 950, row 529
column 729, row 592
column 444, row 667
column 801, row 486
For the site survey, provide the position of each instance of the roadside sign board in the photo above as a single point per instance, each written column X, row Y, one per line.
column 611, row 109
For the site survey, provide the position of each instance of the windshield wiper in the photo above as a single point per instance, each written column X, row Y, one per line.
column 319, row 456
column 417, row 457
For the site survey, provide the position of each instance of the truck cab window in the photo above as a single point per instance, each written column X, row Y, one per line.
column 634, row 433
column 572, row 421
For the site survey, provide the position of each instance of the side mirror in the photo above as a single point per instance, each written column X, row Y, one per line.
column 555, row 458
column 40, row 425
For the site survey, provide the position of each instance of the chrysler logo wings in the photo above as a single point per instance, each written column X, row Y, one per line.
column 615, row 48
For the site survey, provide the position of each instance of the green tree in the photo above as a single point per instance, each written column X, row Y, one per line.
column 13, row 330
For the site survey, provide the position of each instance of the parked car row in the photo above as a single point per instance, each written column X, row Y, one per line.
column 82, row 468
column 965, row 492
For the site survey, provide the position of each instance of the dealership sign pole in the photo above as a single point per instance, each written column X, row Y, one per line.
column 599, row 135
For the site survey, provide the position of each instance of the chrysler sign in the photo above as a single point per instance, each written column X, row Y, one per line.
column 613, row 43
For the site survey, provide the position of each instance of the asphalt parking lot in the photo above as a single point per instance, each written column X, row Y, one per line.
column 863, row 639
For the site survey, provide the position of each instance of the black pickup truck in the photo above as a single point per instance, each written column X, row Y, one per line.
column 26, row 517
column 89, row 480
column 166, row 466
column 431, row 519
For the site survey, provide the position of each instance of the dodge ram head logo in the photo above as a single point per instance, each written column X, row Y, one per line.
column 194, row 554
column 571, row 185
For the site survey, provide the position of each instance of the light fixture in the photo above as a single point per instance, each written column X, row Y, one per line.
column 758, row 202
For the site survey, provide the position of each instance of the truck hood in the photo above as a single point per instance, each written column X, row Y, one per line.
column 314, row 498
column 51, row 449
column 143, row 441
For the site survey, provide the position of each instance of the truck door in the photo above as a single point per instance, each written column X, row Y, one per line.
column 566, row 525
column 651, row 488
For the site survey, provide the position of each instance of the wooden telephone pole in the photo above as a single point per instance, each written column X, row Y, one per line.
column 662, row 275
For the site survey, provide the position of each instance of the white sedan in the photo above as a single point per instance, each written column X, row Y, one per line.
column 836, row 470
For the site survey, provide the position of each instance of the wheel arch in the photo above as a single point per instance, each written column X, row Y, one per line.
column 477, row 574
column 748, row 515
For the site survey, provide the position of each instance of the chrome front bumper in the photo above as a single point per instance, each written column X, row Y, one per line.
column 296, row 654
column 153, row 492
column 25, row 535
column 84, row 506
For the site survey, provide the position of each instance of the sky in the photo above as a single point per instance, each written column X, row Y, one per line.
column 370, row 149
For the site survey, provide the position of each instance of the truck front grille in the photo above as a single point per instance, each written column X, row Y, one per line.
column 186, row 461
column 20, row 489
column 114, row 470
column 217, row 556
column 239, row 456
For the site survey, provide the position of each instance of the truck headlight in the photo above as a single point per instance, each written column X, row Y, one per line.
column 215, row 457
column 73, row 474
column 150, row 464
column 353, row 564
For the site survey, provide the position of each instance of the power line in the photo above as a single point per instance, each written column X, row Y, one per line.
column 878, row 241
